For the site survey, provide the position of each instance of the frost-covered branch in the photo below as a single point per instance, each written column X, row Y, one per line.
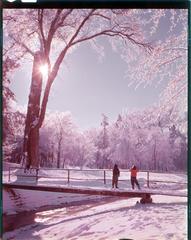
column 23, row 45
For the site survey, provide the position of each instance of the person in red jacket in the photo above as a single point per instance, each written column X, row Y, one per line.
column 134, row 181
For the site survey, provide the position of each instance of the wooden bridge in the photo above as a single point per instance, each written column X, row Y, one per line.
column 90, row 191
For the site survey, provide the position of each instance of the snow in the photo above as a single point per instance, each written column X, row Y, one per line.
column 7, row 165
column 75, row 216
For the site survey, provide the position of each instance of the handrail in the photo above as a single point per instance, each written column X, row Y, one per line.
column 98, row 169
column 69, row 170
column 21, row 175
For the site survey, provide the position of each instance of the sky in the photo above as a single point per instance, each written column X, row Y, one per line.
column 88, row 87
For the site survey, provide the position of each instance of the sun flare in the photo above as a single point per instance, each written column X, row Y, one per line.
column 44, row 70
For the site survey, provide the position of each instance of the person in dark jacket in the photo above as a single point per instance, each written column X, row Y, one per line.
column 134, row 181
column 116, row 174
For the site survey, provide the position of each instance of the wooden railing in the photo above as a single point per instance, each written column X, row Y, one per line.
column 34, row 174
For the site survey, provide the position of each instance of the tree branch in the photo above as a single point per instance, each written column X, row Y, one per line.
column 113, row 33
column 55, row 70
column 40, row 22
column 63, row 52
column 5, row 51
column 102, row 16
column 60, row 23
column 54, row 26
column 51, row 32
column 80, row 27
column 22, row 45
column 169, row 61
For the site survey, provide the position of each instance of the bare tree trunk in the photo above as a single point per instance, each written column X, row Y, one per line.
column 58, row 159
column 33, row 148
column 155, row 156
column 31, row 134
column 58, row 154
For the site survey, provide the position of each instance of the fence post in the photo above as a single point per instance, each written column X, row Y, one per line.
column 68, row 176
column 37, row 174
column 104, row 177
column 148, row 179
column 9, row 174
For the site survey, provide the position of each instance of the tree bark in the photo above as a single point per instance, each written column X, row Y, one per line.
column 33, row 148
column 31, row 133
column 58, row 153
column 155, row 156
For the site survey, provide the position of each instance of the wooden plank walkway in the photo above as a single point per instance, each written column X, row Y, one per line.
column 119, row 193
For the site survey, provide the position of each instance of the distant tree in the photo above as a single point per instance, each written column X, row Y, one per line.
column 63, row 128
column 178, row 143
column 12, row 147
column 90, row 150
column 58, row 127
column 119, row 120
column 104, row 141
column 47, row 145
column 9, row 66
column 143, row 138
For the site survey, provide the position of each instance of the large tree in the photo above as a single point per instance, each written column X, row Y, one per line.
column 50, row 35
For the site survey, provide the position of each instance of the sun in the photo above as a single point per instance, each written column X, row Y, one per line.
column 44, row 70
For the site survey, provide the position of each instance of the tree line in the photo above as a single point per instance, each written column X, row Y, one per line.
column 148, row 140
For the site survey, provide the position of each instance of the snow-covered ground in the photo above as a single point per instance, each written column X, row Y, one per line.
column 95, row 217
